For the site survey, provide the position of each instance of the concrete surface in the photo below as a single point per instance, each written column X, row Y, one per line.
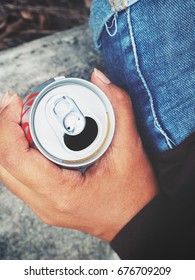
column 22, row 234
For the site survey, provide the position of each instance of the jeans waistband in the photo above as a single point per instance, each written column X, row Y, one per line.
column 119, row 5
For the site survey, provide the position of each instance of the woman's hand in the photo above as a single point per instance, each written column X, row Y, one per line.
column 100, row 201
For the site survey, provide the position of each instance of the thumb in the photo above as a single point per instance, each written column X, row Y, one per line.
column 121, row 102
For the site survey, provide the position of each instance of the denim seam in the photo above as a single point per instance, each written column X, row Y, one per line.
column 170, row 143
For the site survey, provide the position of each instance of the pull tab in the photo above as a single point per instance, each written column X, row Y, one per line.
column 64, row 117
column 69, row 115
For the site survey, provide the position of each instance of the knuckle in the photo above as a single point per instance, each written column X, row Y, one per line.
column 46, row 220
column 8, row 159
column 45, row 217
column 7, row 152
column 60, row 205
column 63, row 206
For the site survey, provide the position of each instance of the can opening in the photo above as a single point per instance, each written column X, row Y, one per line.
column 84, row 139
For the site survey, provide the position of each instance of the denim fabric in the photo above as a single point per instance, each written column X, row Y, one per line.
column 149, row 52
column 101, row 11
column 119, row 5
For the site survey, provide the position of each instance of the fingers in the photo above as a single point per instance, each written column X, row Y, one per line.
column 16, row 187
column 14, row 112
column 26, row 164
column 34, row 200
column 11, row 132
column 6, row 99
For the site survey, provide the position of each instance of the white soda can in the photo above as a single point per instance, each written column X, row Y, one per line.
column 69, row 120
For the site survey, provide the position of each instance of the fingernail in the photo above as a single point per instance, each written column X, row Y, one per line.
column 101, row 76
column 6, row 100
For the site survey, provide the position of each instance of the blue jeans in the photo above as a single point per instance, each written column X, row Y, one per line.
column 148, row 50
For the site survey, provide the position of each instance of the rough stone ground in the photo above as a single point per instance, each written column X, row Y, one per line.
column 22, row 234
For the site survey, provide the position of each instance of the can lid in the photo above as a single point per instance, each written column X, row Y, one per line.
column 72, row 122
